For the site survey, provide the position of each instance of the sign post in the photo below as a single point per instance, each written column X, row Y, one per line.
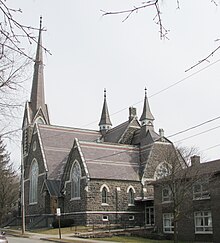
column 58, row 216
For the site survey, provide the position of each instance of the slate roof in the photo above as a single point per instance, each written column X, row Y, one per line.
column 149, row 136
column 110, row 161
column 57, row 143
column 210, row 167
column 116, row 134
column 53, row 187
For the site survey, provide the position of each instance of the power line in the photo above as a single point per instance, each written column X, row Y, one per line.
column 197, row 134
column 214, row 146
column 161, row 91
column 193, row 127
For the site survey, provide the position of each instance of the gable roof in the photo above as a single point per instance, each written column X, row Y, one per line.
column 210, row 168
column 110, row 161
column 123, row 133
column 57, row 142
column 53, row 187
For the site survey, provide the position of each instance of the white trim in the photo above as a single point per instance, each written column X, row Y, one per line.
column 131, row 205
column 104, row 212
column 83, row 158
column 35, row 118
column 40, row 118
column 104, row 185
column 104, row 204
column 131, row 187
column 75, row 198
column 41, row 148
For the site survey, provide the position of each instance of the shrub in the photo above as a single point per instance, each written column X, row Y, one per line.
column 63, row 223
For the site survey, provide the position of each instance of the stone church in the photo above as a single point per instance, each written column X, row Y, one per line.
column 93, row 176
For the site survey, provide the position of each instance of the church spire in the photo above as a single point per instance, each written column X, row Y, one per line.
column 146, row 117
column 105, row 122
column 37, row 100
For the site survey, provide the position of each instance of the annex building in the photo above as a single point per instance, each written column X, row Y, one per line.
column 93, row 176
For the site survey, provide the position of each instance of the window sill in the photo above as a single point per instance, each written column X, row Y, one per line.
column 75, row 198
column 33, row 203
column 201, row 198
column 105, row 204
column 164, row 202
column 131, row 205
column 204, row 232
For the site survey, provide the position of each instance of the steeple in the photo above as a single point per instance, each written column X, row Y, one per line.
column 146, row 117
column 105, row 123
column 37, row 100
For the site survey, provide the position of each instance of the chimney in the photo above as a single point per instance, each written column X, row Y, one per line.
column 132, row 113
column 195, row 160
column 161, row 132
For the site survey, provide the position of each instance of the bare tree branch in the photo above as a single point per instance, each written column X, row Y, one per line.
column 206, row 59
column 151, row 3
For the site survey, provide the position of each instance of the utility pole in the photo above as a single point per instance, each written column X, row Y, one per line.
column 22, row 193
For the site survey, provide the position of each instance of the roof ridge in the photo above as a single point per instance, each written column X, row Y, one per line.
column 67, row 128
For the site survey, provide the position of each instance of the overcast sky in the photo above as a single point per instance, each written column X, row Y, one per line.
column 91, row 52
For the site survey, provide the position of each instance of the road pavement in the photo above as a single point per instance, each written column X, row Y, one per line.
column 12, row 239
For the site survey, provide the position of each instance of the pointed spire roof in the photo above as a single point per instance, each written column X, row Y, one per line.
column 105, row 118
column 146, row 117
column 37, row 99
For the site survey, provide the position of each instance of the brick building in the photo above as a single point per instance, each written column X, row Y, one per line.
column 91, row 175
column 199, row 212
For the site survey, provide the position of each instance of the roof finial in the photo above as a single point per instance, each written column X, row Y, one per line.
column 104, row 92
column 145, row 92
column 40, row 22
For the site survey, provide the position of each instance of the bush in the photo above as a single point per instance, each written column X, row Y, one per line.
column 63, row 223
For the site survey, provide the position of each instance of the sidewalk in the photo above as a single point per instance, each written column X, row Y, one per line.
column 52, row 238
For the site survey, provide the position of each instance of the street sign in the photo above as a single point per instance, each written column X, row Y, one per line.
column 58, row 212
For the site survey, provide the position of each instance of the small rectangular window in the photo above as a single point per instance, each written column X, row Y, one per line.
column 104, row 218
column 131, row 217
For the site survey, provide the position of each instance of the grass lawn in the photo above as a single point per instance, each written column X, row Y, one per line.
column 67, row 230
column 131, row 239
column 122, row 239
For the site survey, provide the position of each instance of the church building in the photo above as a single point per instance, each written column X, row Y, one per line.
column 93, row 176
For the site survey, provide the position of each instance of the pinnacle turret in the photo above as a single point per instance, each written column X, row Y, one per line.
column 105, row 122
column 146, row 117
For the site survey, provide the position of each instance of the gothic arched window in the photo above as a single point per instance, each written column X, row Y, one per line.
column 104, row 194
column 162, row 170
column 34, row 171
column 75, row 180
column 131, row 196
